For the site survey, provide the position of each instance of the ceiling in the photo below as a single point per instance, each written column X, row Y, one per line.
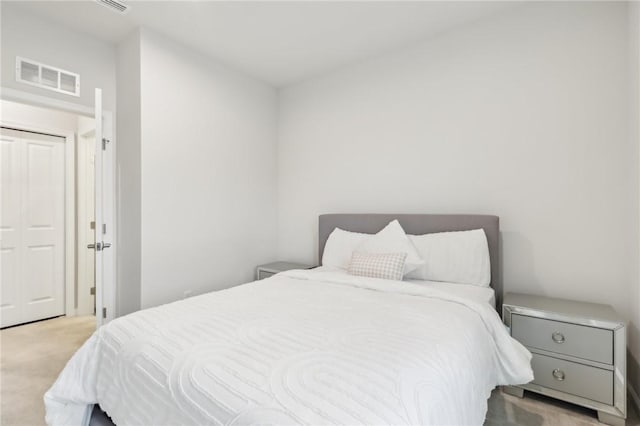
column 280, row 42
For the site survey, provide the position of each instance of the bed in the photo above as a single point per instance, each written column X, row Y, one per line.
column 303, row 347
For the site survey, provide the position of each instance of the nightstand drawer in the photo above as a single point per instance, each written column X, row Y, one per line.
column 573, row 378
column 579, row 341
column 265, row 274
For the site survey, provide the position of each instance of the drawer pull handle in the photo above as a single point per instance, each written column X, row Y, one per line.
column 558, row 375
column 557, row 337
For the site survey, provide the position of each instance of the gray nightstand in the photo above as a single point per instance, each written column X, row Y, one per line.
column 579, row 352
column 269, row 269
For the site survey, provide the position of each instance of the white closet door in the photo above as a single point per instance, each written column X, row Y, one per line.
column 10, row 231
column 32, row 225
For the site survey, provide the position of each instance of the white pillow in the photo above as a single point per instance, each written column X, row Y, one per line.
column 387, row 266
column 392, row 239
column 456, row 257
column 340, row 246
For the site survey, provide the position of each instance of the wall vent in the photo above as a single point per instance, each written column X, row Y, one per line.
column 47, row 77
column 114, row 5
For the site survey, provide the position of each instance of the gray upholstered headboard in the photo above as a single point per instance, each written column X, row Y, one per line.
column 418, row 224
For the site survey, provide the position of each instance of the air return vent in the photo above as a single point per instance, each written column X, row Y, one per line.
column 47, row 77
column 115, row 5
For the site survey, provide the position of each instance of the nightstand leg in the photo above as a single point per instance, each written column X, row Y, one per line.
column 610, row 419
column 512, row 390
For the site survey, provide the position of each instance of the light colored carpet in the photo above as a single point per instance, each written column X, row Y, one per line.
column 31, row 357
column 34, row 354
column 539, row 410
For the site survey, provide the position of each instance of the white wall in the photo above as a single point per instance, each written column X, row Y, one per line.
column 128, row 175
column 27, row 35
column 206, row 179
column 208, row 173
column 523, row 115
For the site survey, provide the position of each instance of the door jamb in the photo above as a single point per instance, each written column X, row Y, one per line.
column 109, row 300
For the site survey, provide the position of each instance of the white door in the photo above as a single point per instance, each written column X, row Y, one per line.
column 104, row 215
column 31, row 227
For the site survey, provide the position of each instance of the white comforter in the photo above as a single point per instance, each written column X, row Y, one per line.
column 302, row 347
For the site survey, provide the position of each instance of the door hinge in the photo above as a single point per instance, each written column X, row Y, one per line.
column 105, row 141
column 104, row 312
column 92, row 291
column 92, row 225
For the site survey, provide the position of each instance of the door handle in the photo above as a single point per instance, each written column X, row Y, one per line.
column 99, row 246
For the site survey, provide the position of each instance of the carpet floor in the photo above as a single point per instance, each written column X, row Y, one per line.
column 33, row 355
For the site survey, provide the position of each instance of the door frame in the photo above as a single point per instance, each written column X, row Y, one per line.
column 85, row 302
column 109, row 286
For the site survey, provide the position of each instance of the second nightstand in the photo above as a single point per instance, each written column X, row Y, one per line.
column 269, row 269
column 579, row 352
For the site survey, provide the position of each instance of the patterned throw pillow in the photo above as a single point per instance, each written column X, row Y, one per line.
column 388, row 266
